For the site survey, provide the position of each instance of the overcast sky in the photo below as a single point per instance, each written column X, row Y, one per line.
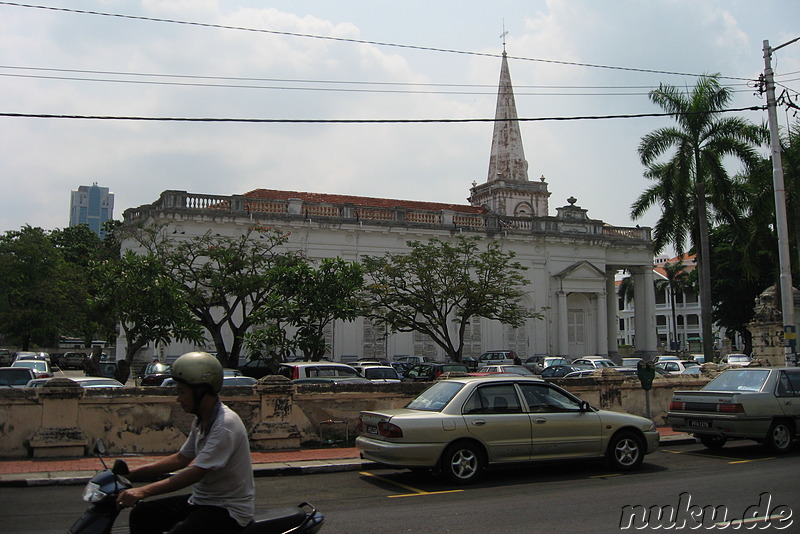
column 195, row 70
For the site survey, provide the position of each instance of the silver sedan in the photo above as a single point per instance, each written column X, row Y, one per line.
column 461, row 425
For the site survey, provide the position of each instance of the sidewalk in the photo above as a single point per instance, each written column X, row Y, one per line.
column 78, row 471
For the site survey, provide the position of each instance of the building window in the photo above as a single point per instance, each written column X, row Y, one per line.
column 576, row 326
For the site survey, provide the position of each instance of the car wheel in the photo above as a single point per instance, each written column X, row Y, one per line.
column 462, row 463
column 626, row 451
column 713, row 442
column 780, row 436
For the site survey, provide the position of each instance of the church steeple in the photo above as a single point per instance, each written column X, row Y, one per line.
column 507, row 160
column 507, row 190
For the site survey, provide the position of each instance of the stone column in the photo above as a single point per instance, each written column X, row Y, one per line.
column 602, row 325
column 275, row 428
column 644, row 312
column 563, row 338
column 612, row 325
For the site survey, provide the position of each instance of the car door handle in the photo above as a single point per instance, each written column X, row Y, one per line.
column 479, row 422
column 540, row 420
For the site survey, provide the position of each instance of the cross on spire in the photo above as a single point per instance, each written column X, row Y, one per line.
column 503, row 36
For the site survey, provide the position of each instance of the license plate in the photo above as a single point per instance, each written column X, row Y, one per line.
column 698, row 424
column 372, row 429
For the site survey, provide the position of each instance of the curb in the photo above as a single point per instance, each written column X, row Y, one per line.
column 305, row 467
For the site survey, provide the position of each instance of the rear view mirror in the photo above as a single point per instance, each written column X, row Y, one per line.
column 99, row 447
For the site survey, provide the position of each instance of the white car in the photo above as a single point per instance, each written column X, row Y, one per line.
column 83, row 381
column 676, row 367
column 380, row 373
column 737, row 360
column 597, row 363
column 515, row 369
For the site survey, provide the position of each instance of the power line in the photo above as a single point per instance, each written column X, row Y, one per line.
column 352, row 121
column 358, row 41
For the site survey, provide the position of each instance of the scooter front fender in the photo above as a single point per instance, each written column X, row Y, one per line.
column 94, row 521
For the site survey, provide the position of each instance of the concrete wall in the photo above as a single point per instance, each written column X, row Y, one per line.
column 64, row 419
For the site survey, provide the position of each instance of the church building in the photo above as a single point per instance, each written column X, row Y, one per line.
column 572, row 259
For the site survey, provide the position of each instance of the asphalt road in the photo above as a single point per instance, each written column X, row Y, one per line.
column 564, row 497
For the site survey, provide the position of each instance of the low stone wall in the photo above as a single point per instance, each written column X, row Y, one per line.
column 63, row 419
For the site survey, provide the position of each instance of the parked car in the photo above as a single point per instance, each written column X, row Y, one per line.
column 26, row 355
column 414, row 360
column 5, row 358
column 15, row 377
column 40, row 367
column 380, row 373
column 665, row 357
column 514, row 369
column 597, row 363
column 676, row 367
column 432, row 371
column 73, row 360
column 471, row 363
column 153, row 374
column 695, row 370
column 737, row 360
column 460, row 426
column 294, row 371
column 537, row 364
column 630, row 362
column 560, row 371
column 83, row 381
column 758, row 403
column 498, row 357
column 333, row 380
column 258, row 368
column 227, row 381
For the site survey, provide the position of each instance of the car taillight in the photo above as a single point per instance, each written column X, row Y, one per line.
column 296, row 373
column 730, row 408
column 389, row 430
column 676, row 406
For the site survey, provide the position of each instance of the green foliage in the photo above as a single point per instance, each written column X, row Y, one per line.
column 692, row 185
column 138, row 293
column 36, row 288
column 223, row 280
column 438, row 287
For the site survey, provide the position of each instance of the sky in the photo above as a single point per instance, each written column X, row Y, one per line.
column 250, row 59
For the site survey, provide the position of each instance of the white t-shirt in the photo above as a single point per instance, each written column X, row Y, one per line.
column 225, row 453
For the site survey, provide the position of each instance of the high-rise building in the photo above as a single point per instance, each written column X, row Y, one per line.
column 92, row 205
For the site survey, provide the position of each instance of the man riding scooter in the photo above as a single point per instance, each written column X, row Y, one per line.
column 215, row 461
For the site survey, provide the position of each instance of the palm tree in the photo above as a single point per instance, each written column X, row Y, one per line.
column 693, row 178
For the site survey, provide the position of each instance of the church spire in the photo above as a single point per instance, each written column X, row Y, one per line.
column 507, row 160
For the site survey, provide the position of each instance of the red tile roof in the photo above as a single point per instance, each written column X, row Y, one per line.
column 275, row 194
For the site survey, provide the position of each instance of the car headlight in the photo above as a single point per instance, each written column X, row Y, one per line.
column 92, row 493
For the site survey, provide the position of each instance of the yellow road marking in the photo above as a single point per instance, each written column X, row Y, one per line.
column 417, row 492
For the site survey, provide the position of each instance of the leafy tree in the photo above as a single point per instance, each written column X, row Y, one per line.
column 37, row 290
column 322, row 295
column 137, row 291
column 692, row 185
column 224, row 280
column 438, row 287
column 742, row 267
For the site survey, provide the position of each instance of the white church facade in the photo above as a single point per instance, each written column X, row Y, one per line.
column 572, row 259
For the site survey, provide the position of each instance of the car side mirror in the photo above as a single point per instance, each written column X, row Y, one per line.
column 585, row 407
column 99, row 447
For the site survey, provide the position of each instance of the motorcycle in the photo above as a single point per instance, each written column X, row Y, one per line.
column 102, row 490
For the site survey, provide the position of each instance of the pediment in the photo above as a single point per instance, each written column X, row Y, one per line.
column 582, row 270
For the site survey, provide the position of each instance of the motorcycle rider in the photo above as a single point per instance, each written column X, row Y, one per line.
column 215, row 461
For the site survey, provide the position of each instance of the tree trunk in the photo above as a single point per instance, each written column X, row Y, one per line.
column 703, row 265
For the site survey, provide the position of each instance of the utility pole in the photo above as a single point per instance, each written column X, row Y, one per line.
column 787, row 292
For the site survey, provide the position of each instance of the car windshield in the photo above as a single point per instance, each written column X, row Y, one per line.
column 14, row 378
column 738, row 381
column 39, row 365
column 436, row 397
column 157, row 368
column 380, row 373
